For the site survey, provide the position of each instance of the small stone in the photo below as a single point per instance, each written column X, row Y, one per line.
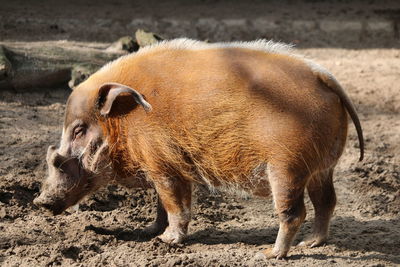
column 75, row 207
column 3, row 212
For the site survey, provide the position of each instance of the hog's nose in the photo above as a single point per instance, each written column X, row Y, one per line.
column 40, row 201
column 56, row 207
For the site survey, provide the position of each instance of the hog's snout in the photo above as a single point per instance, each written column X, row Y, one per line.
column 56, row 207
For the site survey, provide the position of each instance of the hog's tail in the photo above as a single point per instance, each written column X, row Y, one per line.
column 334, row 85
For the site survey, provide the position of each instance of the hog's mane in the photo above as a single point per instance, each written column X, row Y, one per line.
column 267, row 46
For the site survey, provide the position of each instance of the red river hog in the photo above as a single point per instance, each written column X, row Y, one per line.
column 244, row 116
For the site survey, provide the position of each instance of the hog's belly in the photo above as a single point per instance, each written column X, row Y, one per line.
column 255, row 182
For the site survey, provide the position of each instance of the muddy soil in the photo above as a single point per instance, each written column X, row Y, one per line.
column 226, row 230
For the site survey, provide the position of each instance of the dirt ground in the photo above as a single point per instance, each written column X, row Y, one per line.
column 226, row 230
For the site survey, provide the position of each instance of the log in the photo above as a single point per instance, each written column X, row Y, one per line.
column 49, row 64
column 35, row 65
column 5, row 65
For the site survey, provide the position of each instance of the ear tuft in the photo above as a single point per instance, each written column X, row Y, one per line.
column 121, row 98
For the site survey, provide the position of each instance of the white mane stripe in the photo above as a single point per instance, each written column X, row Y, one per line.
column 183, row 43
column 267, row 46
column 189, row 44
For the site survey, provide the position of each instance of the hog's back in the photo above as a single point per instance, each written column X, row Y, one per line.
column 229, row 111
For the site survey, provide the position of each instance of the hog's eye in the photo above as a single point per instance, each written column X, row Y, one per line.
column 78, row 132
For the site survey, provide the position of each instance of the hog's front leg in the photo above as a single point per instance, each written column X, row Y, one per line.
column 160, row 223
column 176, row 196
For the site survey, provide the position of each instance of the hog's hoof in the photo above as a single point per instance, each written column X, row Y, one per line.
column 270, row 253
column 171, row 236
column 154, row 229
column 313, row 242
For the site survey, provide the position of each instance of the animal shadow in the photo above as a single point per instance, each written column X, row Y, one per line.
column 137, row 235
column 348, row 233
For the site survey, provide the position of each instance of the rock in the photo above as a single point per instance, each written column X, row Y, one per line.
column 146, row 38
column 80, row 73
column 126, row 43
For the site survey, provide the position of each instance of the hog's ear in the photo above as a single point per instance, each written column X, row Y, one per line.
column 118, row 99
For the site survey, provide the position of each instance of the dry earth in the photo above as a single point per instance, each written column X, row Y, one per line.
column 226, row 230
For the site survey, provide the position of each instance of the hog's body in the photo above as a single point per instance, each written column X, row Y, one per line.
column 247, row 116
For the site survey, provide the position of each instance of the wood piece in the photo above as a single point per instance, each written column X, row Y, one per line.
column 48, row 64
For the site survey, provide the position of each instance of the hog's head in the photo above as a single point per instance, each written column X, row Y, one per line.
column 82, row 164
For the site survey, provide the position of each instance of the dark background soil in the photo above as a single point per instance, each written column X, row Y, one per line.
column 226, row 230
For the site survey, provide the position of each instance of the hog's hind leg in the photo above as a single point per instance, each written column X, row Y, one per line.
column 322, row 194
column 175, row 195
column 288, row 194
